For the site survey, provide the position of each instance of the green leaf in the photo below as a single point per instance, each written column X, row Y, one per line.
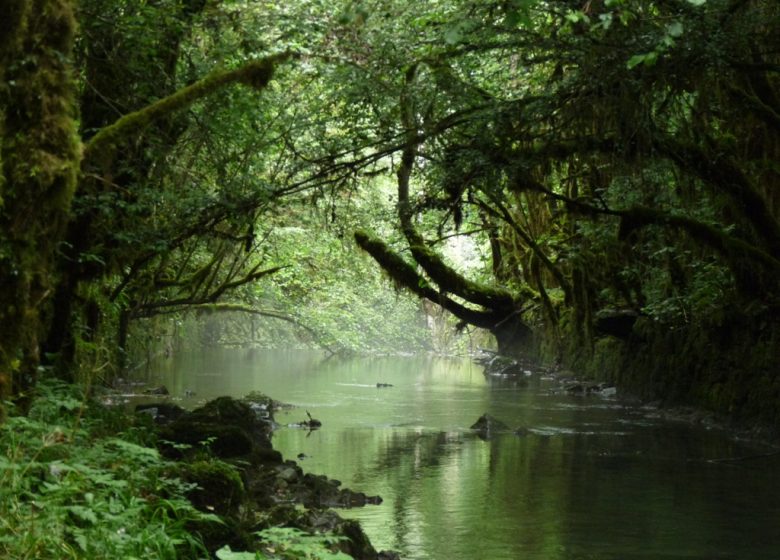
column 81, row 540
column 635, row 60
column 83, row 513
column 697, row 2
column 225, row 553
column 576, row 16
column 675, row 29
column 453, row 35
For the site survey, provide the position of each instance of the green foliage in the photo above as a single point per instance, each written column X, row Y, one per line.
column 68, row 490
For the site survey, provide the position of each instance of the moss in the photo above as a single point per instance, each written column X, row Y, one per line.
column 103, row 145
column 732, row 249
column 40, row 154
column 452, row 282
column 397, row 268
column 218, row 489
column 405, row 275
column 726, row 366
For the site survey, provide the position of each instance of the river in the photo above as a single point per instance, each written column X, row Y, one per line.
column 591, row 479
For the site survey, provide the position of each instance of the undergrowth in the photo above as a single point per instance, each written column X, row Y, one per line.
column 78, row 481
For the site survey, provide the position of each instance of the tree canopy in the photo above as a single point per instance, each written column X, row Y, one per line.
column 611, row 162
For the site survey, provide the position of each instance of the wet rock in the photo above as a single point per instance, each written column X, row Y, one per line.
column 218, row 485
column 357, row 544
column 161, row 413
column 575, row 389
column 319, row 491
column 161, row 390
column 503, row 366
column 487, row 425
column 250, row 476
column 583, row 388
column 311, row 423
column 381, row 385
column 228, row 427
column 289, row 474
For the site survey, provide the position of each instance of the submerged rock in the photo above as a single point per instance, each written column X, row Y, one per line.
column 487, row 425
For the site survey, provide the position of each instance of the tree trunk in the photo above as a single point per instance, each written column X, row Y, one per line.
column 513, row 337
column 40, row 156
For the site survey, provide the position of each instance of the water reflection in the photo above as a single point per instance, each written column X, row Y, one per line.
column 590, row 479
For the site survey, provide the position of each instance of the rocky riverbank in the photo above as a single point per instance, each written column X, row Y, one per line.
column 224, row 450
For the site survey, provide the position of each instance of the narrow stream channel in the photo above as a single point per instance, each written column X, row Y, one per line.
column 590, row 479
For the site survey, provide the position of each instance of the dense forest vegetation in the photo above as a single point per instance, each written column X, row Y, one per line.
column 614, row 163
column 314, row 168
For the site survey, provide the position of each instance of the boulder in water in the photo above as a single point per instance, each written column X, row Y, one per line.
column 486, row 426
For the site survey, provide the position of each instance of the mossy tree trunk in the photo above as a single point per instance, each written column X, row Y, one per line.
column 116, row 58
column 43, row 159
column 40, row 154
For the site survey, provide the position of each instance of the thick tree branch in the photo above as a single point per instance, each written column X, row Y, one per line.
column 405, row 275
column 206, row 298
column 722, row 173
column 731, row 248
column 256, row 74
column 447, row 278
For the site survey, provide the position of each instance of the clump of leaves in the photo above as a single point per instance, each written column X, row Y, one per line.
column 67, row 490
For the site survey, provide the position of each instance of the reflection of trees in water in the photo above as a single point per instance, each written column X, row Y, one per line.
column 416, row 451
column 600, row 492
column 405, row 458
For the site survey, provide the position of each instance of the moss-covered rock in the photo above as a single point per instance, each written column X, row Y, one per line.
column 218, row 485
column 224, row 449
column 228, row 427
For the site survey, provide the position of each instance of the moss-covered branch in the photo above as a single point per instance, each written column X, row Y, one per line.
column 207, row 295
column 256, row 74
column 503, row 213
column 449, row 280
column 724, row 175
column 405, row 275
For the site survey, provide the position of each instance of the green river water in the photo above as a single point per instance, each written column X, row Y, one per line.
column 591, row 479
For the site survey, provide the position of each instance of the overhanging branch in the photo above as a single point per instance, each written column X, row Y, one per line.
column 256, row 74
